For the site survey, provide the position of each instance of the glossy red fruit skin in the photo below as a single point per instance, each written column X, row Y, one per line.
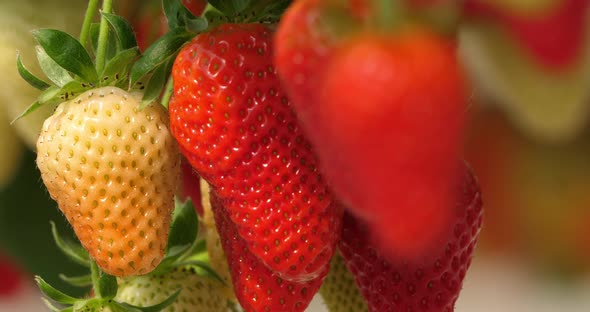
column 430, row 283
column 386, row 127
column 555, row 38
column 235, row 125
column 257, row 288
column 393, row 115
column 196, row 7
column 191, row 187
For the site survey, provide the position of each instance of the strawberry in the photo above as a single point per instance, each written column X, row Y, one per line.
column 257, row 287
column 198, row 293
column 215, row 251
column 12, row 277
column 112, row 169
column 431, row 283
column 236, row 127
column 384, row 112
column 554, row 37
column 339, row 291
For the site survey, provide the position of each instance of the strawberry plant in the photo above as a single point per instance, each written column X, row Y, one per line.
column 226, row 111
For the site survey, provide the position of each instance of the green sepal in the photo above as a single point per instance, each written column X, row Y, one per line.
column 155, row 308
column 122, row 30
column 94, row 304
column 156, row 84
column 50, row 305
column 176, row 13
column 71, row 249
column 107, row 285
column 184, row 228
column 67, row 51
column 159, row 52
column 112, row 45
column 78, row 281
column 230, row 7
column 270, row 10
column 119, row 66
column 57, row 74
column 168, row 90
column 197, row 24
column 28, row 76
column 31, row 108
column 53, row 293
column 204, row 267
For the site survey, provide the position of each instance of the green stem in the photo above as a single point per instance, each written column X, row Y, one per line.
column 95, row 275
column 90, row 10
column 101, row 50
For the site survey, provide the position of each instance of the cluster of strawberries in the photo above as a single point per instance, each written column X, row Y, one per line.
column 340, row 130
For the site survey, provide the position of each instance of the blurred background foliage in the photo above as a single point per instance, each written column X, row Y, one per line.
column 528, row 140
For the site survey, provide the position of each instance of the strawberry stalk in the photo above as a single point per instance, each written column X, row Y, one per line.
column 90, row 10
column 107, row 7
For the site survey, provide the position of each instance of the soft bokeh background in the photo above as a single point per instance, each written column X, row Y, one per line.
column 528, row 141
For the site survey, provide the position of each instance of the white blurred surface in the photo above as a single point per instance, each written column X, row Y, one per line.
column 492, row 285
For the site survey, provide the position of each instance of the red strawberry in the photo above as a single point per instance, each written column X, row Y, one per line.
column 258, row 288
column 429, row 284
column 385, row 113
column 236, row 126
column 554, row 37
column 196, row 7
column 11, row 277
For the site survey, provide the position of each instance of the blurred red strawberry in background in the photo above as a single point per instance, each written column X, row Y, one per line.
column 552, row 33
column 11, row 277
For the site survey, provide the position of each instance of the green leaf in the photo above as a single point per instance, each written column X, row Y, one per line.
column 123, row 30
column 107, row 285
column 112, row 45
column 185, row 224
column 159, row 52
column 78, row 281
column 230, row 7
column 155, row 308
column 57, row 74
column 75, row 251
column 53, row 293
column 28, row 76
column 156, row 84
column 67, row 51
column 118, row 67
column 176, row 13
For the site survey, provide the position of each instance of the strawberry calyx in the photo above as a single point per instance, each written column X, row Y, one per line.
column 106, row 54
column 184, row 252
